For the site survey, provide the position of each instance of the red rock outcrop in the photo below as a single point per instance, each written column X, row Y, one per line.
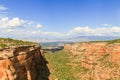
column 67, row 46
column 21, row 63
column 101, row 58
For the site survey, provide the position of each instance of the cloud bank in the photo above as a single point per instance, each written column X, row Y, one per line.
column 89, row 31
column 20, row 28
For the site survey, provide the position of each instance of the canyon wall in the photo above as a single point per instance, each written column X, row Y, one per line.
column 21, row 63
column 100, row 58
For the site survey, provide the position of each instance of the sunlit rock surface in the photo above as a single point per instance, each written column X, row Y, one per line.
column 101, row 58
column 21, row 63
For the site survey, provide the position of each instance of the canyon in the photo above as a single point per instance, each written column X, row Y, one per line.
column 100, row 59
column 97, row 60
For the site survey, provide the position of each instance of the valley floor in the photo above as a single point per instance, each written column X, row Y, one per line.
column 63, row 66
column 59, row 65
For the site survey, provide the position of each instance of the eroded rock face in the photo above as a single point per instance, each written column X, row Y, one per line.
column 102, row 59
column 67, row 46
column 21, row 63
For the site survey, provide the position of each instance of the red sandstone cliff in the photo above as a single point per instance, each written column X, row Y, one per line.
column 21, row 63
column 101, row 58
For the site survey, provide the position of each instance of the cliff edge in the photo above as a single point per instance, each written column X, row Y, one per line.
column 21, row 63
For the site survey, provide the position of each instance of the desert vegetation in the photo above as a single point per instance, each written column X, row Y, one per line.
column 7, row 42
column 60, row 65
column 95, row 60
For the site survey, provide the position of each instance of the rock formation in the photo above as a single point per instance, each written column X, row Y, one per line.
column 21, row 63
column 100, row 58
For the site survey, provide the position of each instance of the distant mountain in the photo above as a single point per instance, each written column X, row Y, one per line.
column 93, row 38
column 52, row 44
column 78, row 39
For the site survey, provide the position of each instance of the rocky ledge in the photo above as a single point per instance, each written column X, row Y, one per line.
column 21, row 63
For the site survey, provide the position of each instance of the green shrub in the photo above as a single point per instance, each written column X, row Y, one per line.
column 3, row 45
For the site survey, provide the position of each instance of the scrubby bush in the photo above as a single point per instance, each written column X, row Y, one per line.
column 3, row 45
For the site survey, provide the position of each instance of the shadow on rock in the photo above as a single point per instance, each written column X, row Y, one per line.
column 44, row 74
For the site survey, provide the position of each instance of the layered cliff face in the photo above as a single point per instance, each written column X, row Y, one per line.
column 21, row 63
column 102, row 60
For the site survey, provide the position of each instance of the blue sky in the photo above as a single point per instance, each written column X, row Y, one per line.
column 28, row 19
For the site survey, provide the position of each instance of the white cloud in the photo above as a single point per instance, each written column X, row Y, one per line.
column 15, row 22
column 36, row 32
column 16, row 27
column 20, row 28
column 10, row 30
column 3, row 8
column 106, row 25
column 88, row 31
column 78, row 30
column 38, row 26
column 11, row 23
column 3, row 11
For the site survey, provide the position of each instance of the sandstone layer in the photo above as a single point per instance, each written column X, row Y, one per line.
column 100, row 58
column 21, row 63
